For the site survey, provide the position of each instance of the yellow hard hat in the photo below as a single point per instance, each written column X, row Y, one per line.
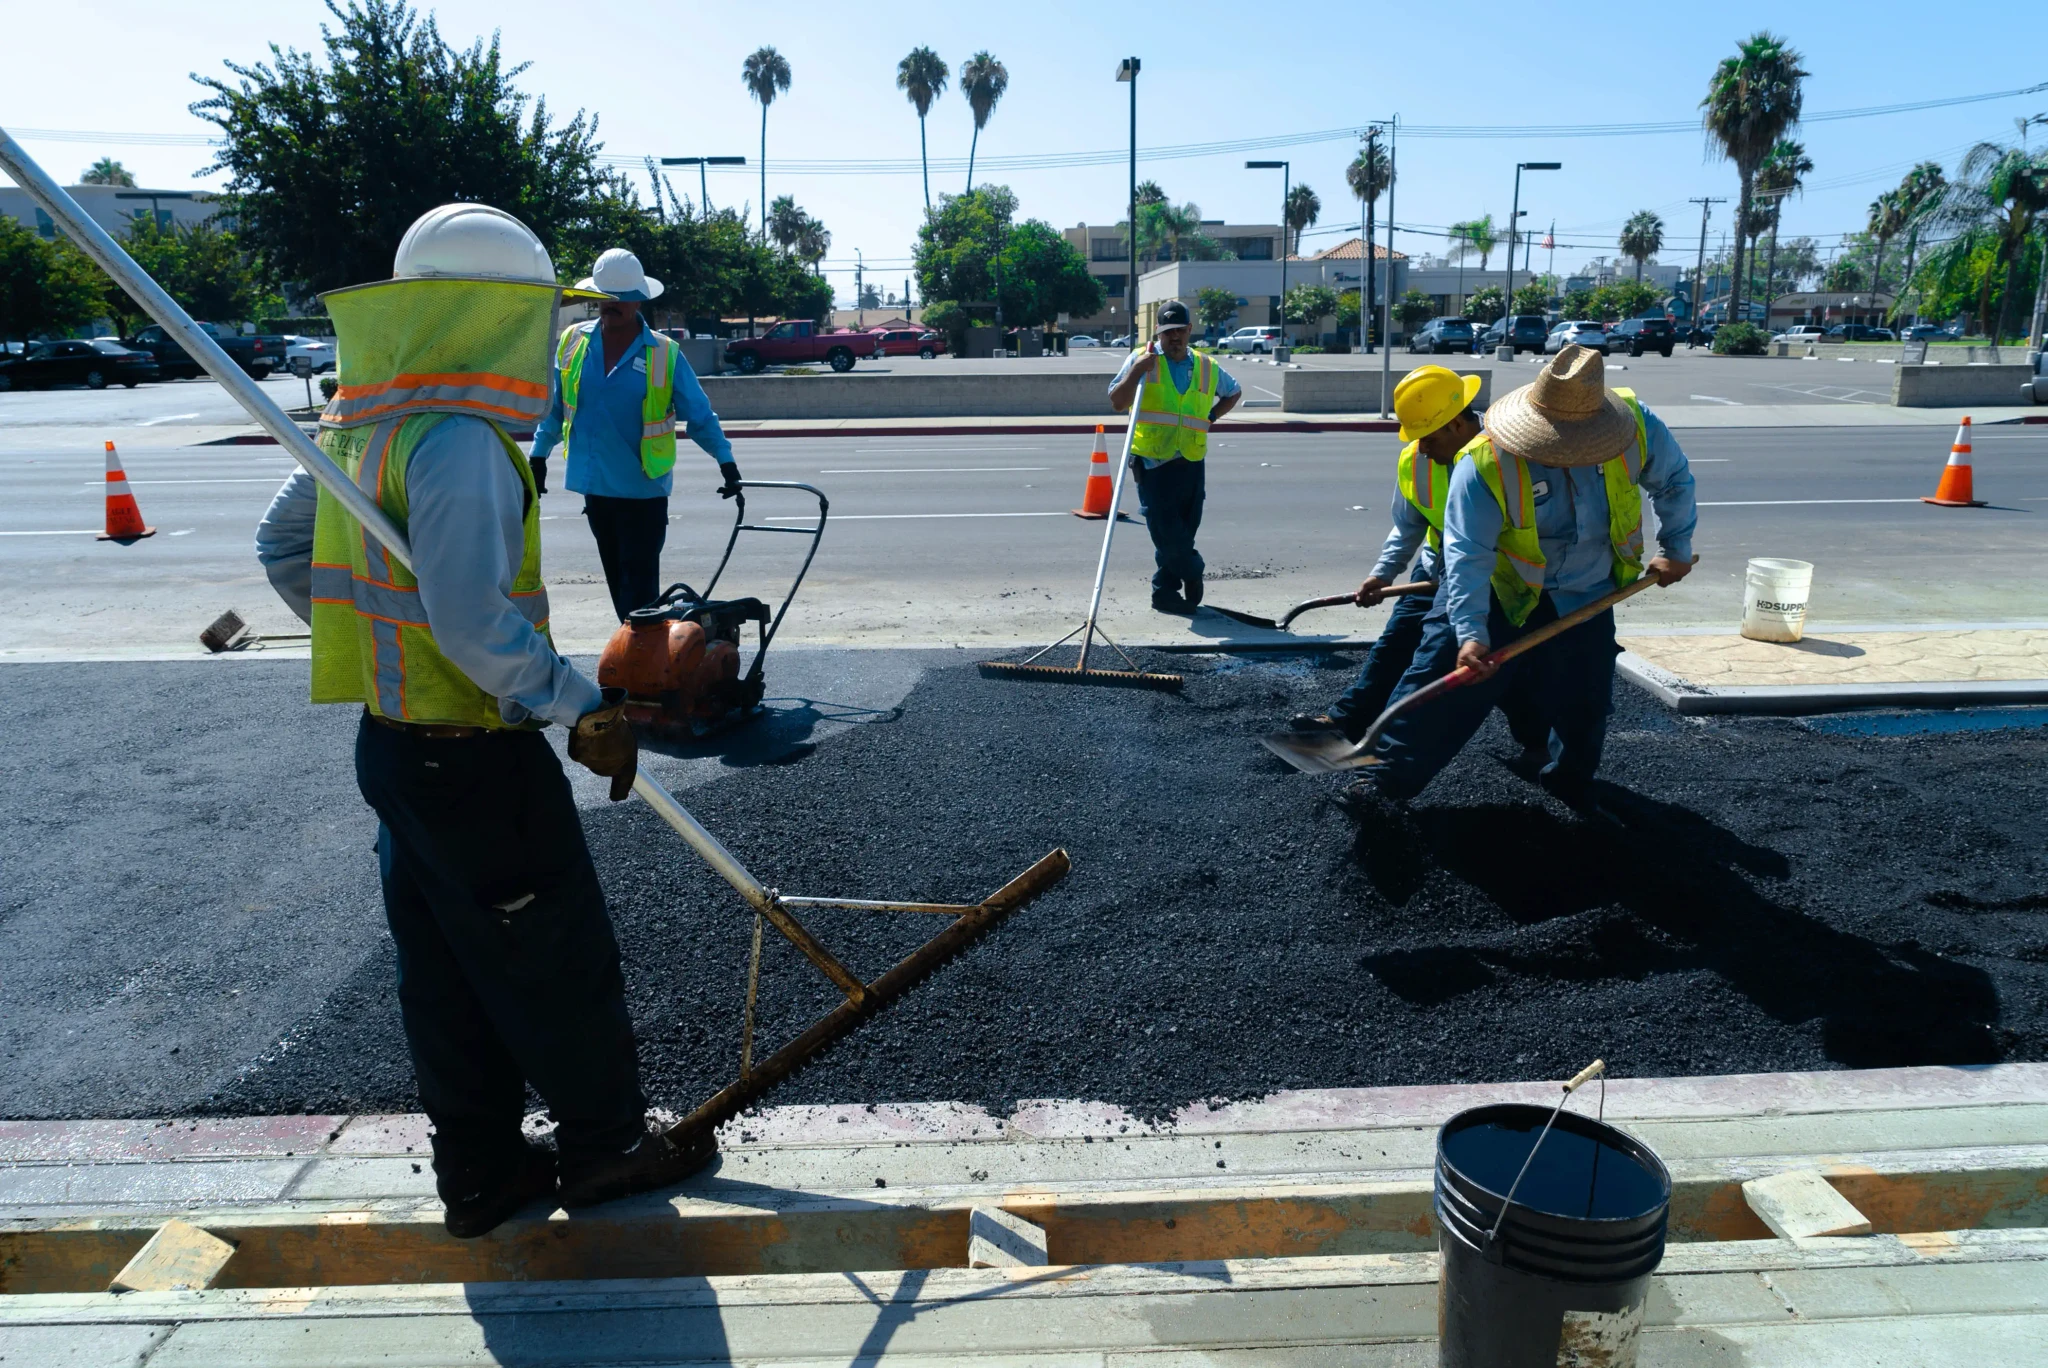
column 1430, row 396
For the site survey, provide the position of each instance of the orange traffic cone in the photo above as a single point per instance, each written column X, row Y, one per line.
column 1095, row 497
column 1955, row 489
column 124, row 518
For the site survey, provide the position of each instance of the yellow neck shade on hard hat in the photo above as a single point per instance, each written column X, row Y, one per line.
column 430, row 345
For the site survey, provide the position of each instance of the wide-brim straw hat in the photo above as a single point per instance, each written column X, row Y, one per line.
column 1565, row 417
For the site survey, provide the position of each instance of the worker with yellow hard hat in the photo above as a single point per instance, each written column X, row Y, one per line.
column 1438, row 422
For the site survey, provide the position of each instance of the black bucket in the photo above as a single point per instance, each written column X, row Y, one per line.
column 1563, row 1282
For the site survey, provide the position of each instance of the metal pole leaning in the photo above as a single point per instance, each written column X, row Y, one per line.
column 1116, row 505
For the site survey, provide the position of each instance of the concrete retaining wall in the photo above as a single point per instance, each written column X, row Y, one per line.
column 1948, row 386
column 910, row 396
column 1351, row 391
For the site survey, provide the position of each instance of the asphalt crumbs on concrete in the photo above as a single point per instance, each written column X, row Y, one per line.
column 1771, row 897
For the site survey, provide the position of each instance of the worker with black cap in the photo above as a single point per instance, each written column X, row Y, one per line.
column 1179, row 395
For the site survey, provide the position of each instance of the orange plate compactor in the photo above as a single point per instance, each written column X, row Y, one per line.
column 678, row 658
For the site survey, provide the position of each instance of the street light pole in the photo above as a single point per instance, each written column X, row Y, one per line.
column 703, row 189
column 1286, row 187
column 1127, row 71
column 1507, row 333
column 1699, row 273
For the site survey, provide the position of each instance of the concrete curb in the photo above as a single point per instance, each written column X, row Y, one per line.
column 1689, row 699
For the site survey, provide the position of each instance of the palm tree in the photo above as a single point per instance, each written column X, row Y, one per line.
column 922, row 77
column 1753, row 101
column 982, row 81
column 812, row 242
column 1781, row 175
column 107, row 171
column 1369, row 175
column 1920, row 191
column 1178, row 223
column 2002, row 196
column 765, row 73
column 1642, row 237
column 1475, row 237
column 1887, row 221
column 786, row 222
column 1303, row 208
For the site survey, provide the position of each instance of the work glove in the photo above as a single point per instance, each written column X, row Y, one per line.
column 731, row 471
column 540, row 474
column 602, row 742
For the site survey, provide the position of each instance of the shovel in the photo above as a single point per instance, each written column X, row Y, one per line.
column 1331, row 752
column 1334, row 600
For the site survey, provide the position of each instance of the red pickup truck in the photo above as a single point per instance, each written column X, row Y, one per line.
column 798, row 340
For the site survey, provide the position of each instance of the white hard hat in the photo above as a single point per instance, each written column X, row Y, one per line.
column 618, row 274
column 472, row 242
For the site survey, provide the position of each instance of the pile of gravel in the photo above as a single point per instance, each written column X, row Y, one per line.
column 1770, row 898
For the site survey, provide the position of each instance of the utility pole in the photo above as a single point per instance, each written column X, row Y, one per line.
column 860, row 312
column 1127, row 71
column 1365, row 238
column 1387, row 308
column 1699, row 271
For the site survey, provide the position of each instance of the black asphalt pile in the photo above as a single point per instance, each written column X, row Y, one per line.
column 1765, row 898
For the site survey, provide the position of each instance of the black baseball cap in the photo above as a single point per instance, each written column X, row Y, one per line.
column 1172, row 314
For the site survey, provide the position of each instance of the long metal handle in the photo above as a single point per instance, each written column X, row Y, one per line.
column 1116, row 503
column 102, row 248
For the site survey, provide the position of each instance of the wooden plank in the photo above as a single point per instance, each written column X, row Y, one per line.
column 180, row 1257
column 997, row 1239
column 1800, row 1205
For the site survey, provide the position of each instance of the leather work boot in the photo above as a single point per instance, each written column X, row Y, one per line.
column 1192, row 589
column 653, row 1162
column 1323, row 722
column 475, row 1204
column 1169, row 601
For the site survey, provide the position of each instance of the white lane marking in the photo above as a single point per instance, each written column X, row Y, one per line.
column 263, row 480
column 172, row 418
column 933, row 470
column 1263, row 390
column 1717, row 399
column 184, row 532
column 887, row 517
column 65, row 532
column 1794, row 503
column 920, row 451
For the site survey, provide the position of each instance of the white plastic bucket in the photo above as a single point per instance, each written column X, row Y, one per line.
column 1774, row 599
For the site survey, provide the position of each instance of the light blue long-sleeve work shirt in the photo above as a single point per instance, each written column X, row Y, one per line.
column 465, row 521
column 1409, row 534
column 1182, row 373
column 604, row 448
column 1571, row 526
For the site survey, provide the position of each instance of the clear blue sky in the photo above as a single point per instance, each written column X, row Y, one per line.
column 664, row 78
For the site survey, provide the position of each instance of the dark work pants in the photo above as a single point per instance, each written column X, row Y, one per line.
column 1384, row 665
column 1170, row 496
column 508, row 972
column 1561, row 692
column 629, row 533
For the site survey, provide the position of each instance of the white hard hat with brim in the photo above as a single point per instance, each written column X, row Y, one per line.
column 617, row 273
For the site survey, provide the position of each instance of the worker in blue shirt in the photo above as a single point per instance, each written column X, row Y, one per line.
column 1178, row 395
column 1544, row 516
column 618, row 390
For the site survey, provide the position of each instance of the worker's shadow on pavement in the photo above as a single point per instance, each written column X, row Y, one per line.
column 1660, row 890
column 785, row 731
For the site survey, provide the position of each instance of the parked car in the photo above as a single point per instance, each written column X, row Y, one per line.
column 318, row 350
column 1127, row 341
column 95, row 364
column 1933, row 332
column 1529, row 332
column 2036, row 389
column 257, row 353
column 1255, row 340
column 1081, row 340
column 1860, row 332
column 1638, row 335
column 908, row 342
column 1586, row 332
column 798, row 340
column 1442, row 336
column 1803, row 332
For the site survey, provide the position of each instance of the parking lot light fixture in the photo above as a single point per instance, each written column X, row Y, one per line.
column 1286, row 175
column 1127, row 71
column 703, row 194
column 1506, row 352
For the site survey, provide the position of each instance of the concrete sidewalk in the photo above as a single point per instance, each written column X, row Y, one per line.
column 1916, row 666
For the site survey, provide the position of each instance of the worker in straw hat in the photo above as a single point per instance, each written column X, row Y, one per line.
column 1544, row 515
column 508, row 968
column 1178, row 394
column 1438, row 423
column 619, row 389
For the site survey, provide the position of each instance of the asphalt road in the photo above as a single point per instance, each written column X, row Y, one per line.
column 937, row 541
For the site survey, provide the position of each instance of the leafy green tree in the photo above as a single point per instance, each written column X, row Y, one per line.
column 1920, row 192
column 1347, row 308
column 957, row 246
column 107, row 171
column 1308, row 303
column 765, row 74
column 199, row 265
column 2000, row 196
column 1303, row 209
column 1043, row 276
column 1740, row 339
column 1642, row 237
column 1484, row 305
column 868, row 298
column 1753, row 100
column 982, row 82
column 1624, row 299
column 46, row 285
column 813, row 241
column 1844, row 276
column 330, row 161
column 1215, row 307
column 1535, row 297
column 1412, row 308
column 1475, row 237
column 922, row 77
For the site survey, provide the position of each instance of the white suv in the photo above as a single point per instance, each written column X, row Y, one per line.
column 1260, row 340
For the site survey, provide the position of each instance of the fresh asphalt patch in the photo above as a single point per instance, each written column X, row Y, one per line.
column 193, row 920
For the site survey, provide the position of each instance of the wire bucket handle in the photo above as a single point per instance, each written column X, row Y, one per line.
column 1597, row 1069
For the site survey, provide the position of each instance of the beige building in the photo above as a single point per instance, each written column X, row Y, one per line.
column 112, row 207
column 1256, row 286
column 1109, row 260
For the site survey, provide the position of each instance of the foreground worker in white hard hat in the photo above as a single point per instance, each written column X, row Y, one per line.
column 1178, row 394
column 619, row 388
column 508, row 971
column 1544, row 515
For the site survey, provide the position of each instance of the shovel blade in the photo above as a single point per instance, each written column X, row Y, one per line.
column 1248, row 619
column 1326, row 752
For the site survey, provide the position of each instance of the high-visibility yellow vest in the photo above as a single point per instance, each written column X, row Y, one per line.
column 1427, row 486
column 657, row 410
column 372, row 643
column 1518, row 565
column 413, row 352
column 1171, row 423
